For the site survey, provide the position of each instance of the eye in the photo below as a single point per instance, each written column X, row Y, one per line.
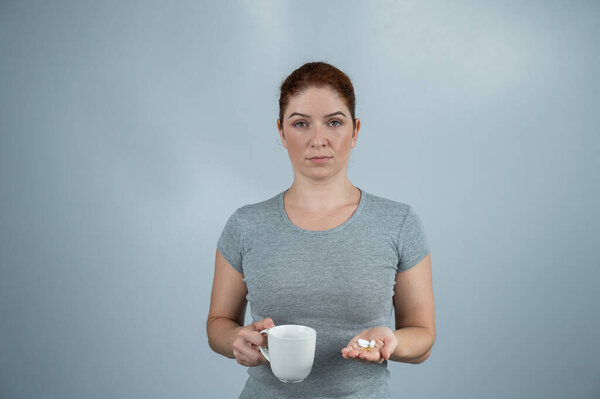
column 335, row 121
column 296, row 124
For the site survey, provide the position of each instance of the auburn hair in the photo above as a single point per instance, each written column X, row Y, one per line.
column 317, row 74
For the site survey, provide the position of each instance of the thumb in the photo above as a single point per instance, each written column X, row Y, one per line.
column 263, row 324
column 385, row 354
column 387, row 349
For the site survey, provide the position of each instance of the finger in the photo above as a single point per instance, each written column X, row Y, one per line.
column 353, row 357
column 358, row 350
column 245, row 347
column 349, row 351
column 246, row 353
column 256, row 356
column 346, row 351
column 263, row 324
column 371, row 356
column 262, row 358
column 354, row 343
column 241, row 361
column 241, row 358
column 256, row 326
column 354, row 353
column 250, row 361
column 348, row 348
column 255, row 338
column 268, row 323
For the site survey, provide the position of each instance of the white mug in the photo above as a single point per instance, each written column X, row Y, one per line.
column 291, row 351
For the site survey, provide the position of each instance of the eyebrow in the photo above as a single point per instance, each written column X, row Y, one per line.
column 326, row 116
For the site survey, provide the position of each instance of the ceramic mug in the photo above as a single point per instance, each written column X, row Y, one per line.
column 291, row 351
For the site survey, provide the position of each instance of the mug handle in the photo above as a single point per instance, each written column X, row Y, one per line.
column 264, row 350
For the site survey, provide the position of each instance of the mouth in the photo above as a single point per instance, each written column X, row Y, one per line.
column 319, row 159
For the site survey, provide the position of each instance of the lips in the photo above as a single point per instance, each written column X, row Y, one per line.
column 321, row 159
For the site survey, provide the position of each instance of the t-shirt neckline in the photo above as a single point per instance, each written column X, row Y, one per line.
column 317, row 232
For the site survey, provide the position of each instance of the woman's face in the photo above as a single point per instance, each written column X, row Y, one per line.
column 315, row 123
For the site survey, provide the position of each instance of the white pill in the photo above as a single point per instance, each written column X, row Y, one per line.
column 372, row 343
column 363, row 343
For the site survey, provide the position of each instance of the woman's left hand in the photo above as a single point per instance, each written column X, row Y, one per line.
column 385, row 344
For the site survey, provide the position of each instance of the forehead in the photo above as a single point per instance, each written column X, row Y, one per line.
column 315, row 101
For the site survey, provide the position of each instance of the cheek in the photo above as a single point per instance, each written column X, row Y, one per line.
column 345, row 145
column 295, row 149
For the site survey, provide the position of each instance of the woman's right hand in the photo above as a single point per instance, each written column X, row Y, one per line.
column 247, row 341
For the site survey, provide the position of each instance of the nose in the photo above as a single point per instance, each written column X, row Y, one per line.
column 318, row 138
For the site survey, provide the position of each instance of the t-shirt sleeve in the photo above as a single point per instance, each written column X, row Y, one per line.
column 230, row 242
column 412, row 241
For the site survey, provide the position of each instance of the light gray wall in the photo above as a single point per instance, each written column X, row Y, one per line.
column 130, row 131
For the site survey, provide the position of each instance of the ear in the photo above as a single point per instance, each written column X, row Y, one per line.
column 281, row 134
column 355, row 132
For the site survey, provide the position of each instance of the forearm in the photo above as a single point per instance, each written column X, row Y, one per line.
column 221, row 334
column 414, row 344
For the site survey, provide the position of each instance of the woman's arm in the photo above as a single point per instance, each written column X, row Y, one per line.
column 415, row 313
column 227, row 307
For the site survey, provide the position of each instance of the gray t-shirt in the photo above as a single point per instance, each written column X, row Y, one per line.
column 338, row 281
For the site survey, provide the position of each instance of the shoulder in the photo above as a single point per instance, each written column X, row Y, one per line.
column 255, row 212
column 386, row 207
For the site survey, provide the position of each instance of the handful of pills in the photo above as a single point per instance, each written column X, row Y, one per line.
column 367, row 345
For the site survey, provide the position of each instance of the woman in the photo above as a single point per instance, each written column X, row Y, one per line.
column 325, row 254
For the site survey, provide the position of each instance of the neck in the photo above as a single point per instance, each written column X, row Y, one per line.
column 321, row 196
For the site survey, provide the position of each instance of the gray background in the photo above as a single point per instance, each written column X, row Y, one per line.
column 130, row 131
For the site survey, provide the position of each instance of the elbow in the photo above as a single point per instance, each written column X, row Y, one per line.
column 210, row 341
column 426, row 355
column 209, row 334
column 422, row 358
